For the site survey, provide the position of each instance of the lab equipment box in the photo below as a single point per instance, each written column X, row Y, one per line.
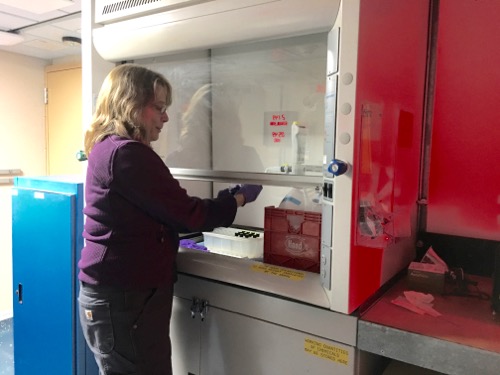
column 234, row 242
column 424, row 277
column 292, row 238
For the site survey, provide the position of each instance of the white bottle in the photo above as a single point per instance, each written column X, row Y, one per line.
column 299, row 134
column 314, row 199
column 294, row 200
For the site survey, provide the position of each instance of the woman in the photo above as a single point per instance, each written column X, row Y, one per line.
column 134, row 212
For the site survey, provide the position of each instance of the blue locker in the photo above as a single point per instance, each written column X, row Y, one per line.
column 47, row 225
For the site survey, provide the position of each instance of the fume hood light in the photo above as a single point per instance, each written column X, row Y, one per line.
column 10, row 38
column 71, row 41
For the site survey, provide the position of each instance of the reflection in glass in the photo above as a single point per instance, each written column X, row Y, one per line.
column 272, row 84
column 234, row 107
column 194, row 147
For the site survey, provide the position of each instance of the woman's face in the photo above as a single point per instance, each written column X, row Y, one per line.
column 154, row 115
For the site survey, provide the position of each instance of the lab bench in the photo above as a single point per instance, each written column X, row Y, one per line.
column 241, row 316
column 465, row 339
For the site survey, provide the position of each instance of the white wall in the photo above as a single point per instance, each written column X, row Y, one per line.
column 22, row 144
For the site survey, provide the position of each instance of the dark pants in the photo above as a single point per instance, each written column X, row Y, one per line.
column 128, row 331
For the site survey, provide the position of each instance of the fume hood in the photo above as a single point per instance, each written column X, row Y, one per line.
column 344, row 71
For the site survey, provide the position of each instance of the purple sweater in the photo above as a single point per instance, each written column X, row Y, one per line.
column 134, row 212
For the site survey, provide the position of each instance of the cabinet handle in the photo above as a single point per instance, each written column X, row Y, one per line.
column 199, row 307
column 19, row 293
column 203, row 309
column 195, row 307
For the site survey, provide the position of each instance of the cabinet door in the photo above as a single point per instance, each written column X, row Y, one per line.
column 43, row 226
column 185, row 337
column 237, row 344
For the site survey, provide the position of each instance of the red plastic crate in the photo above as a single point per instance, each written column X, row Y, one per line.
column 292, row 238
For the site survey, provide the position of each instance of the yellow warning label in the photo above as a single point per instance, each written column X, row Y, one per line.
column 278, row 271
column 326, row 351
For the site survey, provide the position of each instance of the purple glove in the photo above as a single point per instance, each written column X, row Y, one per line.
column 190, row 244
column 250, row 192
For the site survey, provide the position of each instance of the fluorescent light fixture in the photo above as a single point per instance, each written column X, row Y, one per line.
column 10, row 39
column 38, row 7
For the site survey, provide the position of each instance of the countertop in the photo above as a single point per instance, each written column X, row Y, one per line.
column 464, row 339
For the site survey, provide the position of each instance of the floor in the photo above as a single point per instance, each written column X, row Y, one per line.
column 6, row 347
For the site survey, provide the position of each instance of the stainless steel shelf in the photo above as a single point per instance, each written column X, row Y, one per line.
column 10, row 172
column 7, row 176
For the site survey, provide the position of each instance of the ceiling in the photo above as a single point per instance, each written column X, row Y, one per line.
column 42, row 24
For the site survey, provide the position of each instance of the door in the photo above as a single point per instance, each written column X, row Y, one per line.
column 42, row 242
column 64, row 119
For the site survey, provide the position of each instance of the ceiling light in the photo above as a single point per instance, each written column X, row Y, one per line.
column 9, row 39
column 71, row 41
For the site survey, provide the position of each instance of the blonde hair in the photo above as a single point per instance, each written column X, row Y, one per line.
column 127, row 89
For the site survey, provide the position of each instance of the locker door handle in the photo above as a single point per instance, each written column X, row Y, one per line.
column 19, row 293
